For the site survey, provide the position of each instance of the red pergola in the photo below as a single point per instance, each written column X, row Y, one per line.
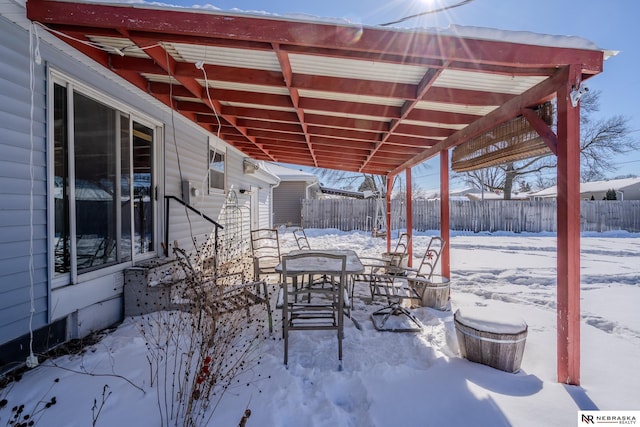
column 338, row 96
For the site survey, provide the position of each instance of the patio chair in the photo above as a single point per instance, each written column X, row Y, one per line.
column 303, row 245
column 375, row 276
column 394, row 263
column 429, row 259
column 397, row 288
column 397, row 260
column 324, row 309
column 265, row 248
column 301, row 239
column 217, row 294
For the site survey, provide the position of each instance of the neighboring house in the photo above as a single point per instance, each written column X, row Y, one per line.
column 454, row 193
column 489, row 195
column 626, row 189
column 88, row 161
column 337, row 193
column 295, row 185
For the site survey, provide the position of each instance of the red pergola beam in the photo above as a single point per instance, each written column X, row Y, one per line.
column 425, row 84
column 505, row 112
column 287, row 73
column 224, row 25
column 542, row 129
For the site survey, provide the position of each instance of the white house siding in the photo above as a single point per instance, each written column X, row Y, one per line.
column 264, row 208
column 95, row 301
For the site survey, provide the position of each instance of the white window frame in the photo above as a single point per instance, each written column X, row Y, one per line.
column 218, row 147
column 74, row 85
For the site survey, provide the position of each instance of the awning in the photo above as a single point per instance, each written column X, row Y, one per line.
column 324, row 94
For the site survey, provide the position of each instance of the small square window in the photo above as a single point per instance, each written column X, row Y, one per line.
column 216, row 169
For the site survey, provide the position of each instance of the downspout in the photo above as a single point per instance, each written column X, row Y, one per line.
column 306, row 196
column 271, row 187
column 306, row 189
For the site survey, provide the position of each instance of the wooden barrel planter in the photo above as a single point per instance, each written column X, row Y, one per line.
column 434, row 291
column 396, row 262
column 492, row 340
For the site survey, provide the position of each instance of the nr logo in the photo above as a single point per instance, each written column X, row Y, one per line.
column 587, row 419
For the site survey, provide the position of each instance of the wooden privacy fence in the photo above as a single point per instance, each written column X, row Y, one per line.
column 466, row 215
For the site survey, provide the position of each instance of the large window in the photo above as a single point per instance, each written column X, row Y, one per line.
column 103, row 184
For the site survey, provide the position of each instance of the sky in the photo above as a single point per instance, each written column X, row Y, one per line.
column 611, row 25
column 388, row 379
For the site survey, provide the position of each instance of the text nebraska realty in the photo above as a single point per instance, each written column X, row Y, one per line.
column 609, row 419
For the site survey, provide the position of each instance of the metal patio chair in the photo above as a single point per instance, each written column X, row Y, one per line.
column 265, row 248
column 217, row 294
column 301, row 239
column 313, row 308
column 397, row 259
column 397, row 288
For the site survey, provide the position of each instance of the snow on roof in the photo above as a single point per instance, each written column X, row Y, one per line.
column 289, row 174
column 593, row 187
column 479, row 33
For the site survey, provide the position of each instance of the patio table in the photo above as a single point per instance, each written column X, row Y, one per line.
column 354, row 266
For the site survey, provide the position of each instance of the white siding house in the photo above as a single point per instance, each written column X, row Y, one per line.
column 88, row 168
column 625, row 189
column 295, row 186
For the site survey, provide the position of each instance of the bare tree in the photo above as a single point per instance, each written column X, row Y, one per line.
column 600, row 140
column 374, row 183
column 351, row 180
column 342, row 179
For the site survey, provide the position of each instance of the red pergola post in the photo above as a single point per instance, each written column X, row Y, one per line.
column 445, row 263
column 568, row 255
column 409, row 216
column 388, row 200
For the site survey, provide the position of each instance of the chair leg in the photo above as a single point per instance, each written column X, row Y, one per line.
column 381, row 316
column 285, row 334
column 268, row 307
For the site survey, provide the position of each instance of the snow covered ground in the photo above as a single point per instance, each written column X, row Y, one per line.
column 394, row 379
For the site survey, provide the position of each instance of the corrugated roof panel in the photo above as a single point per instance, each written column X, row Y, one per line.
column 456, row 108
column 350, row 68
column 216, row 55
column 336, row 96
column 433, row 124
column 157, row 78
column 487, row 82
column 187, row 99
column 257, row 106
column 123, row 45
column 352, row 116
column 217, row 84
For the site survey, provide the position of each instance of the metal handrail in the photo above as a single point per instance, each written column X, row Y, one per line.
column 191, row 208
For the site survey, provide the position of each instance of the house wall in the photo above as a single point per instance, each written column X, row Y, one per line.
column 16, row 187
column 632, row 192
column 287, row 202
column 264, row 208
column 96, row 300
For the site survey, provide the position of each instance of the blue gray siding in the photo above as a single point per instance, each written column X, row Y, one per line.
column 96, row 301
column 16, row 187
